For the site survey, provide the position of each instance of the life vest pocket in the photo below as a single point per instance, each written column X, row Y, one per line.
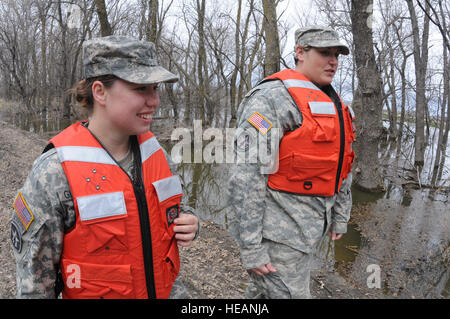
column 324, row 116
column 350, row 123
column 172, row 263
column 94, row 281
column 103, row 219
column 307, row 167
column 347, row 164
column 169, row 193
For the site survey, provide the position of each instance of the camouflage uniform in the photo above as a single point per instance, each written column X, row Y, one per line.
column 38, row 238
column 273, row 226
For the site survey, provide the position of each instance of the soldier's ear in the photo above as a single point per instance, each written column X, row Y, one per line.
column 299, row 53
column 99, row 93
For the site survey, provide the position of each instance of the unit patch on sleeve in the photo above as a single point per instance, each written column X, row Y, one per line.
column 23, row 211
column 172, row 213
column 244, row 140
column 260, row 122
column 16, row 236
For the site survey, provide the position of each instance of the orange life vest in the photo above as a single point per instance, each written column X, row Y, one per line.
column 123, row 244
column 316, row 157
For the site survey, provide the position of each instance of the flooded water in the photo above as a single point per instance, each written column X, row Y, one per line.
column 410, row 243
column 407, row 235
column 405, row 231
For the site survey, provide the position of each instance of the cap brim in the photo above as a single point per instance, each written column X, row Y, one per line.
column 331, row 44
column 147, row 75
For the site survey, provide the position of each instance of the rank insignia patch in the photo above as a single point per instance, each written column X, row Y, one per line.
column 23, row 211
column 260, row 122
column 172, row 213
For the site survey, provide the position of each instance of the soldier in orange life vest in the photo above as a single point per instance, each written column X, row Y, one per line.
column 100, row 215
column 279, row 217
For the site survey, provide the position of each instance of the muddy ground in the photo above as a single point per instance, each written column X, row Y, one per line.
column 211, row 266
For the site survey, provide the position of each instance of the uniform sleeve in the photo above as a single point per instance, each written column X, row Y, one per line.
column 341, row 209
column 247, row 184
column 38, row 221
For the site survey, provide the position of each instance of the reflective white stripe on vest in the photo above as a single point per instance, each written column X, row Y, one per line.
column 84, row 154
column 168, row 187
column 322, row 108
column 148, row 148
column 300, row 84
column 101, row 206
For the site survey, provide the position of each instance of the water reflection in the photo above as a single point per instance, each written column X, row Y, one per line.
column 206, row 185
column 410, row 244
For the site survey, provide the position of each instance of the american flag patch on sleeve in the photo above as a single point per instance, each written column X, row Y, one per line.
column 260, row 122
column 23, row 211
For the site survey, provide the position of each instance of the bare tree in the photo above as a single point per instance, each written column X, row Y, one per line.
column 420, row 63
column 401, row 69
column 43, row 10
column 237, row 41
column 152, row 27
column 272, row 56
column 444, row 126
column 367, row 100
column 16, row 49
column 437, row 19
column 202, row 71
column 102, row 13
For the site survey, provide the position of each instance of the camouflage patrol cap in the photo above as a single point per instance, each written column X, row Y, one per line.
column 319, row 37
column 128, row 59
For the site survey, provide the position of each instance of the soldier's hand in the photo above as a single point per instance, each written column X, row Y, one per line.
column 186, row 226
column 335, row 236
column 263, row 270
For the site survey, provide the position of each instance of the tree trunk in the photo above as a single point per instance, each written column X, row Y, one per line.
column 444, row 125
column 392, row 87
column 173, row 101
column 446, row 97
column 43, row 12
column 420, row 62
column 105, row 27
column 272, row 57
column 367, row 100
column 152, row 31
column 202, row 68
column 233, row 90
column 65, row 114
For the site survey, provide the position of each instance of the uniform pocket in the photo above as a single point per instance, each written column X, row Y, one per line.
column 103, row 220
column 92, row 281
